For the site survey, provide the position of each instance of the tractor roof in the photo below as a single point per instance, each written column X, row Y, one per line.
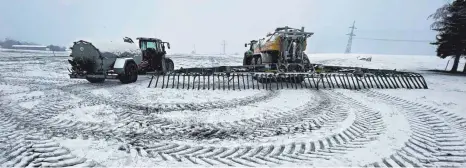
column 148, row 39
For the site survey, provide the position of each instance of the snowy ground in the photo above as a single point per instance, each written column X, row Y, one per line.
column 46, row 119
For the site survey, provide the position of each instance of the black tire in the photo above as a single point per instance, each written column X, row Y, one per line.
column 258, row 60
column 131, row 73
column 247, row 60
column 96, row 80
column 170, row 65
column 307, row 63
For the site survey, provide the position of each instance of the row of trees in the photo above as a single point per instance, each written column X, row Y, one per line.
column 450, row 23
column 56, row 48
column 8, row 43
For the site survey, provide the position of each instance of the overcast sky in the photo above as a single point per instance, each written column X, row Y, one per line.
column 206, row 23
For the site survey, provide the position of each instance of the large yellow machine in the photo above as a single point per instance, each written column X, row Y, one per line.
column 284, row 48
column 277, row 62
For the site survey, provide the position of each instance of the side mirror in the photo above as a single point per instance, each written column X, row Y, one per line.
column 168, row 45
column 128, row 40
column 245, row 45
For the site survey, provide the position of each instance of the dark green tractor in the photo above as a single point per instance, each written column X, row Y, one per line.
column 248, row 55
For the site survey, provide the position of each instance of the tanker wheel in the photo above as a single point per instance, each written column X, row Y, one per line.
column 95, row 80
column 131, row 73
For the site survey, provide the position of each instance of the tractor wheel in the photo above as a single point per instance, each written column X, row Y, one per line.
column 247, row 60
column 307, row 63
column 131, row 73
column 170, row 65
column 96, row 80
column 257, row 60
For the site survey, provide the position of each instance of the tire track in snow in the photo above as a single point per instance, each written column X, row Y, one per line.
column 40, row 152
column 367, row 125
column 34, row 85
column 310, row 116
column 28, row 119
column 209, row 155
column 168, row 107
column 22, row 147
column 306, row 118
column 438, row 136
column 40, row 117
column 252, row 157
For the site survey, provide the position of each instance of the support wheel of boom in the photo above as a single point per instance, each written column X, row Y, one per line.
column 96, row 80
column 297, row 79
column 131, row 73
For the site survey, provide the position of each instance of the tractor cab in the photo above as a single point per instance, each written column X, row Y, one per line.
column 153, row 54
column 251, row 45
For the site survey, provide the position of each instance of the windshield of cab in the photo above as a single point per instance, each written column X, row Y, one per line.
column 145, row 45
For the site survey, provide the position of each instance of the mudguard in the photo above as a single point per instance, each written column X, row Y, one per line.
column 119, row 66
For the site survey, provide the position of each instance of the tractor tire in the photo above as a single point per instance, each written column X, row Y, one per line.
column 131, row 73
column 247, row 60
column 257, row 60
column 96, row 80
column 170, row 65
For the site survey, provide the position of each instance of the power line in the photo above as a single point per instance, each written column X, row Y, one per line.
column 350, row 39
column 397, row 40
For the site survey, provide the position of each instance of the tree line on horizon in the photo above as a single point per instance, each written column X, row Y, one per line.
column 450, row 24
column 8, row 44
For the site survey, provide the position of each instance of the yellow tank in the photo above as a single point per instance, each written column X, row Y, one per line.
column 272, row 43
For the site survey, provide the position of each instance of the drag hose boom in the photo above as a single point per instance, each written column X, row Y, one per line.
column 247, row 77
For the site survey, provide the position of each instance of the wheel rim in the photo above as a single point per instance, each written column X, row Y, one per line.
column 131, row 72
column 172, row 66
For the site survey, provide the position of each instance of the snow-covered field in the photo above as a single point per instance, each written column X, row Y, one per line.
column 47, row 119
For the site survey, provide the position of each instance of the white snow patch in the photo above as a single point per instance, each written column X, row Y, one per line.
column 305, row 137
column 445, row 92
column 396, row 134
column 286, row 101
column 185, row 96
column 96, row 114
column 101, row 92
column 38, row 72
column 15, row 97
column 399, row 62
column 8, row 89
column 147, row 96
column 30, row 104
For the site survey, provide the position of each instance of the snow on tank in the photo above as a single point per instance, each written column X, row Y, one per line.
column 107, row 48
column 116, row 46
